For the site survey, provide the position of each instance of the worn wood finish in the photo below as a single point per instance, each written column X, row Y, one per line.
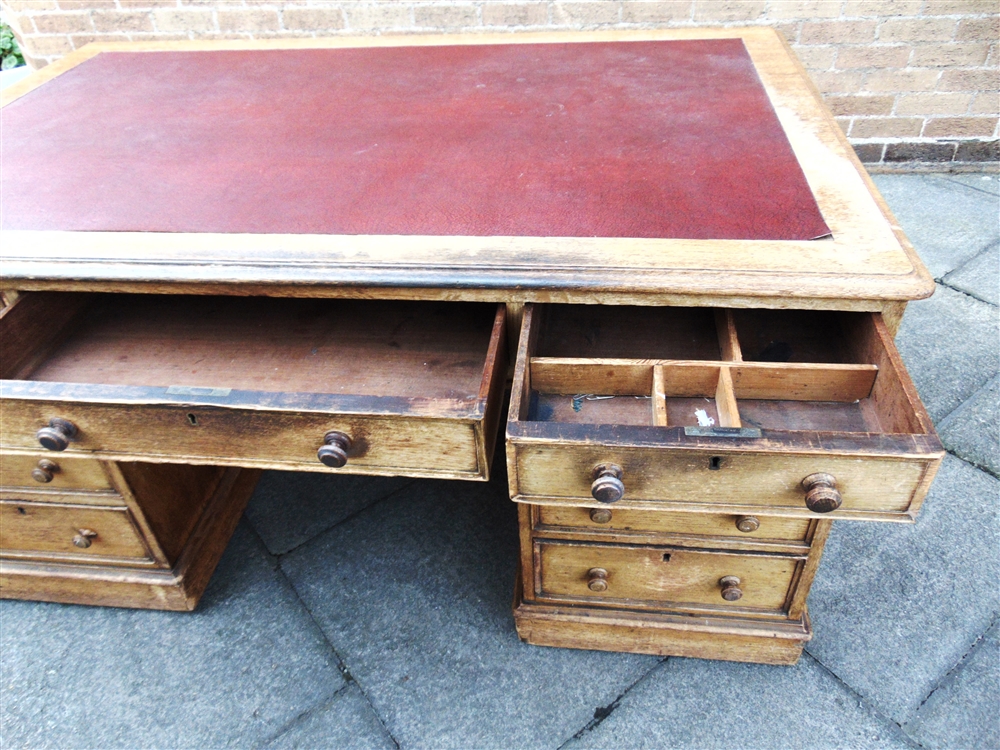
column 118, row 583
column 661, row 577
column 68, row 474
column 662, row 634
column 172, row 499
column 742, row 330
column 810, row 414
column 442, row 381
column 704, row 529
column 882, row 489
column 865, row 259
column 51, row 531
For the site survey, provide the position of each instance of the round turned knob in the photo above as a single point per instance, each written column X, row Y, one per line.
column 57, row 435
column 44, row 471
column 822, row 494
column 600, row 515
column 333, row 452
column 597, row 579
column 83, row 537
column 747, row 524
column 731, row 590
column 608, row 486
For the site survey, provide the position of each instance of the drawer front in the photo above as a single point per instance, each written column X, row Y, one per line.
column 52, row 472
column 613, row 519
column 878, row 488
column 663, row 576
column 793, row 413
column 253, row 438
column 62, row 530
column 357, row 386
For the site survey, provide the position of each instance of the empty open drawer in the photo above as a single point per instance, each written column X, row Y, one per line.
column 370, row 387
column 712, row 412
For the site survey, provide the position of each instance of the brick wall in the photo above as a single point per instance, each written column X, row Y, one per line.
column 909, row 80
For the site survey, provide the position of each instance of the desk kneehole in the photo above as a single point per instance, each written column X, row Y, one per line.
column 372, row 387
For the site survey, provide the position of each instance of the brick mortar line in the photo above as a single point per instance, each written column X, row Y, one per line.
column 601, row 713
column 873, row 709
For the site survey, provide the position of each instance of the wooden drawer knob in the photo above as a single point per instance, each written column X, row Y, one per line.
column 83, row 538
column 57, row 435
column 44, row 471
column 600, row 515
column 822, row 495
column 731, row 590
column 608, row 486
column 747, row 524
column 597, row 579
column 333, row 452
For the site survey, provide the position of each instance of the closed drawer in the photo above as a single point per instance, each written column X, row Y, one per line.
column 559, row 518
column 789, row 413
column 664, row 577
column 55, row 473
column 370, row 387
column 49, row 530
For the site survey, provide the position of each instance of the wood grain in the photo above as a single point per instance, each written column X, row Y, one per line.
column 550, row 518
column 659, row 577
column 662, row 634
column 47, row 530
column 683, row 480
column 179, row 588
column 71, row 473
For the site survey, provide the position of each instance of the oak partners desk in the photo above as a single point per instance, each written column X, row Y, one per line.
column 321, row 255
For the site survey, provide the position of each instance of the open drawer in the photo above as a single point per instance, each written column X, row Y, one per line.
column 363, row 386
column 785, row 412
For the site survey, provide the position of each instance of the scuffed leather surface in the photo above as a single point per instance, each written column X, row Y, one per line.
column 634, row 139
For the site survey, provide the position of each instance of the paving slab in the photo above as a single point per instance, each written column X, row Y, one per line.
column 947, row 222
column 988, row 183
column 346, row 722
column 979, row 276
column 895, row 607
column 233, row 672
column 415, row 593
column 703, row 704
column 962, row 712
column 950, row 346
column 972, row 431
column 289, row 508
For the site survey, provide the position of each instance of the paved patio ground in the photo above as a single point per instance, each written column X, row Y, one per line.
column 375, row 613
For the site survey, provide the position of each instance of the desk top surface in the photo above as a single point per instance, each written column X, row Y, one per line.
column 594, row 167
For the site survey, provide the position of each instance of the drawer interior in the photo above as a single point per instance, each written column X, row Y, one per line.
column 323, row 346
column 785, row 370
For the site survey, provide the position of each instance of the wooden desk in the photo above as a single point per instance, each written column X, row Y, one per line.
column 320, row 255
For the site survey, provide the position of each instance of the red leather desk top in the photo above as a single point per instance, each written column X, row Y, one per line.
column 672, row 139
